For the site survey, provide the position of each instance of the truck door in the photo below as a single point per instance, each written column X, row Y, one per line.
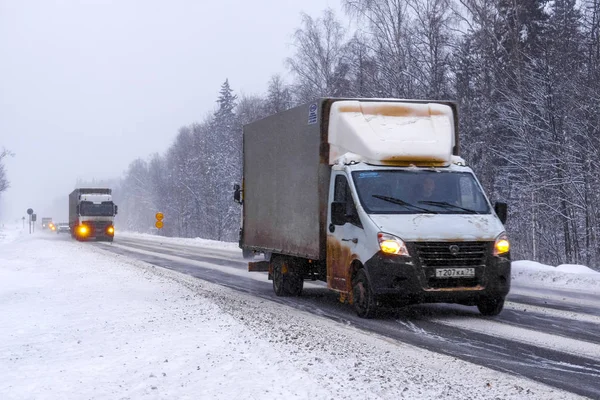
column 343, row 235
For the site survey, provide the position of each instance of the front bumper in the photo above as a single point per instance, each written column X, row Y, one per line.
column 96, row 230
column 408, row 280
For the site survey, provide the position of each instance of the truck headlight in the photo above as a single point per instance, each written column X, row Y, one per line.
column 83, row 230
column 390, row 244
column 502, row 245
column 110, row 230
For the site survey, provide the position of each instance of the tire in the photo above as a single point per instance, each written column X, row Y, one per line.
column 290, row 283
column 362, row 296
column 490, row 306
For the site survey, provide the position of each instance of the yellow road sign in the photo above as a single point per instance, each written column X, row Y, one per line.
column 159, row 224
column 159, row 216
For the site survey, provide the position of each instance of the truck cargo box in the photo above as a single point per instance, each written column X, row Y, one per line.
column 288, row 156
column 286, row 178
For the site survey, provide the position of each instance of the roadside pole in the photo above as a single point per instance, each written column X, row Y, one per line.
column 30, row 212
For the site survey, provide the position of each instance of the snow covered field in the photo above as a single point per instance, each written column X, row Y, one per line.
column 78, row 322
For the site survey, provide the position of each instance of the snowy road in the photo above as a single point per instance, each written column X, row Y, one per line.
column 61, row 299
column 544, row 334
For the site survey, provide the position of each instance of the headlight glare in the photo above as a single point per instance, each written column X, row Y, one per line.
column 502, row 245
column 390, row 244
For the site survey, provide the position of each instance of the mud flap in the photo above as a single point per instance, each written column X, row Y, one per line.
column 258, row 266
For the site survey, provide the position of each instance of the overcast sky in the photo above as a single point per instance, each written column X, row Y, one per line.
column 88, row 86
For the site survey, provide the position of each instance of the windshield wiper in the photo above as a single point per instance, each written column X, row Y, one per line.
column 445, row 204
column 402, row 203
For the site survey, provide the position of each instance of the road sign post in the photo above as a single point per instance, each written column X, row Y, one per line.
column 30, row 212
column 159, row 220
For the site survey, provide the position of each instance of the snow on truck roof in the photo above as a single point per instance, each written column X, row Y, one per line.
column 391, row 133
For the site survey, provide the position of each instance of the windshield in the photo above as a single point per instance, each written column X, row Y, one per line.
column 97, row 210
column 417, row 192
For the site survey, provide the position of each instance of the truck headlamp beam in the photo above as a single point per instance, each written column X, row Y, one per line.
column 390, row 244
column 502, row 245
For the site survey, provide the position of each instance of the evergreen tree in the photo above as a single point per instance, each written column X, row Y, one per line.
column 225, row 151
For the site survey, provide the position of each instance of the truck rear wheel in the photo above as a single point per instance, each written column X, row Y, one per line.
column 287, row 278
column 362, row 295
column 490, row 306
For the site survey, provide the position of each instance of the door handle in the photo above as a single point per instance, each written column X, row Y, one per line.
column 355, row 240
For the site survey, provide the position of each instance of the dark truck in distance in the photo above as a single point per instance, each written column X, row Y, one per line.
column 46, row 222
column 372, row 197
column 92, row 214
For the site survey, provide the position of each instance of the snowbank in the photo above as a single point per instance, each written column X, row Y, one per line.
column 568, row 276
column 206, row 243
column 74, row 321
column 10, row 233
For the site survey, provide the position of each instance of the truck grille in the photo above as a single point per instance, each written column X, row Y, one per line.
column 98, row 226
column 451, row 254
column 452, row 283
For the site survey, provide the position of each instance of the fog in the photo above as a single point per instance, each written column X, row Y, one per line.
column 87, row 87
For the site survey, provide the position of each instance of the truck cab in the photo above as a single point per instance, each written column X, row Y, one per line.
column 46, row 222
column 415, row 235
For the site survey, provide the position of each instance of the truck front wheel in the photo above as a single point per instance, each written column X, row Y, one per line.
column 287, row 279
column 362, row 295
column 490, row 306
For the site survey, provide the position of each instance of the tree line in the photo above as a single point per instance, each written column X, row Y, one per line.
column 4, row 183
column 526, row 76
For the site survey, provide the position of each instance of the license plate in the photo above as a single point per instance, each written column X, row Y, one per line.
column 454, row 272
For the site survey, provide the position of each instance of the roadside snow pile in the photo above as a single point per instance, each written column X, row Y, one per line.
column 75, row 319
column 10, row 233
column 576, row 269
column 566, row 276
column 183, row 241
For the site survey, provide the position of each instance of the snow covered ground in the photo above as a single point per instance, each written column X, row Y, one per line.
column 78, row 322
column 567, row 276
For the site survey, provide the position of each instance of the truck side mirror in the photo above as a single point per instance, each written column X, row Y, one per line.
column 237, row 193
column 77, row 209
column 116, row 209
column 501, row 210
column 338, row 213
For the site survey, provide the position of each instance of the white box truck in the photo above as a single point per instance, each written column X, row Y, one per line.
column 372, row 197
column 92, row 214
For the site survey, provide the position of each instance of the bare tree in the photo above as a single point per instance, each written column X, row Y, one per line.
column 279, row 96
column 431, row 26
column 319, row 48
column 388, row 25
column 250, row 108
